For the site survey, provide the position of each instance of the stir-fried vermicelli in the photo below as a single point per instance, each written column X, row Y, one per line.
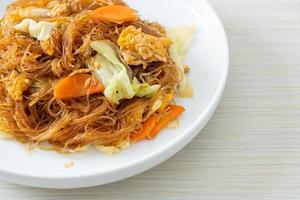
column 76, row 73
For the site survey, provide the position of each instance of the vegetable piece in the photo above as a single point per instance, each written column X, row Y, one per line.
column 172, row 113
column 77, row 86
column 85, row 3
column 112, row 73
column 34, row 12
column 156, row 104
column 39, row 30
column 146, row 129
column 114, row 13
column 166, row 100
column 144, row 89
column 119, row 87
column 105, row 49
column 115, row 75
column 184, row 88
column 173, row 124
column 181, row 37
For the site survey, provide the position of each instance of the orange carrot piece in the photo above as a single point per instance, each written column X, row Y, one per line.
column 114, row 13
column 172, row 113
column 85, row 3
column 77, row 86
column 144, row 132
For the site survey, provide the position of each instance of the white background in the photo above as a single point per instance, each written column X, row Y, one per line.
column 251, row 147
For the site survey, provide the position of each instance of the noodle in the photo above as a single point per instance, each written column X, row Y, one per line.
column 70, row 125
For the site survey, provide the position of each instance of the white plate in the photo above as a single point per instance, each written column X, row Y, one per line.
column 208, row 58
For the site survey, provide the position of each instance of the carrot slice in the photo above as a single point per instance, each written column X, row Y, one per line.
column 114, row 13
column 85, row 3
column 172, row 113
column 77, row 86
column 146, row 129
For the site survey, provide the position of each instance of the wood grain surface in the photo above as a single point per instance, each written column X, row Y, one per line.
column 251, row 148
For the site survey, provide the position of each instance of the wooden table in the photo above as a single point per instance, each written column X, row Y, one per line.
column 251, row 147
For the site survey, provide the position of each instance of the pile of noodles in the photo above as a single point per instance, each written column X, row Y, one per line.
column 70, row 125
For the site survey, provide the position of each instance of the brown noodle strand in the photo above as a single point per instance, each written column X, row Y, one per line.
column 72, row 125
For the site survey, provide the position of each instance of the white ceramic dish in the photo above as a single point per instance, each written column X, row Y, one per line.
column 208, row 58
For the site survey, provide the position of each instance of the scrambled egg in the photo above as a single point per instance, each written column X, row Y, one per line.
column 139, row 48
column 16, row 85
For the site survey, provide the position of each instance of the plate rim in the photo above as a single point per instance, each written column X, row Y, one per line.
column 145, row 163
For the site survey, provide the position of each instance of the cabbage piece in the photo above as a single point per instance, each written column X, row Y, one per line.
column 39, row 30
column 184, row 88
column 144, row 89
column 181, row 37
column 112, row 72
column 114, row 78
column 104, row 48
column 114, row 75
column 33, row 12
